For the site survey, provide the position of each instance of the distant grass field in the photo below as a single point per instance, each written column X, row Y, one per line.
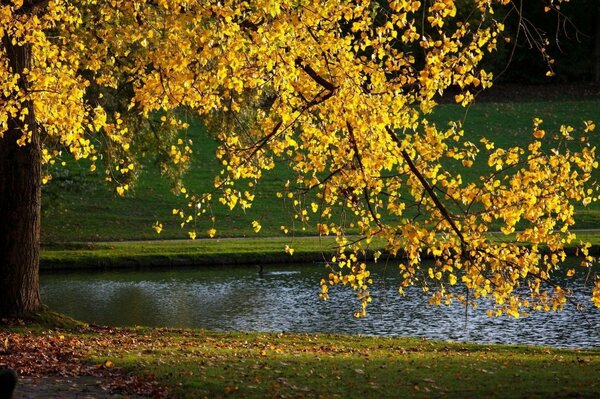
column 78, row 206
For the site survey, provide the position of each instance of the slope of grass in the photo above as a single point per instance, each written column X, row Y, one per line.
column 79, row 207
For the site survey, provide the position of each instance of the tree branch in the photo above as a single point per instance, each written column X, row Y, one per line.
column 427, row 187
column 327, row 85
column 366, row 191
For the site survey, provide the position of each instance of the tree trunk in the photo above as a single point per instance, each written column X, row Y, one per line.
column 597, row 47
column 20, row 202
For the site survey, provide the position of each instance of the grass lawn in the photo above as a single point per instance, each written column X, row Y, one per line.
column 78, row 207
column 250, row 365
column 198, row 363
column 199, row 252
column 224, row 251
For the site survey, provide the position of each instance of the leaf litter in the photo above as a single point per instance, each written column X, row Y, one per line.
column 54, row 357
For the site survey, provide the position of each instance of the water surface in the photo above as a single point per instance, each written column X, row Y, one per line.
column 286, row 299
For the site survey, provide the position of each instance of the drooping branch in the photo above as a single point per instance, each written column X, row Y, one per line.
column 362, row 170
column 430, row 191
column 433, row 195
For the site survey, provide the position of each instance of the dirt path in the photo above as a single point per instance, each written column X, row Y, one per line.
column 78, row 387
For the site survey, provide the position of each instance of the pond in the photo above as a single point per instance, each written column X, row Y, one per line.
column 286, row 299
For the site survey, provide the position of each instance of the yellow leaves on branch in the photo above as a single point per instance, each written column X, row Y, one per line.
column 342, row 95
column 596, row 294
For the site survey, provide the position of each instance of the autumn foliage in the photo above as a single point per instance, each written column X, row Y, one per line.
column 64, row 354
column 339, row 90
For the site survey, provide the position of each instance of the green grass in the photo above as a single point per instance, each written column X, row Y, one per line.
column 588, row 236
column 197, row 363
column 78, row 207
column 224, row 251
column 199, row 252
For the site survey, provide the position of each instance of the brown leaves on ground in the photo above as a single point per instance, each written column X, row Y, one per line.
column 55, row 352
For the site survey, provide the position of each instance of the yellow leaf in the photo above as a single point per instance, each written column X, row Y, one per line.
column 289, row 250
column 452, row 279
column 589, row 126
column 538, row 134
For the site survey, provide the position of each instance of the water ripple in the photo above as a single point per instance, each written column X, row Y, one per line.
column 286, row 299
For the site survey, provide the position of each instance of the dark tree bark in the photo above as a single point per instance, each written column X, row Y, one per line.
column 597, row 47
column 20, row 203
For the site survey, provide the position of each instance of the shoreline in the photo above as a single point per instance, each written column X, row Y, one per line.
column 135, row 255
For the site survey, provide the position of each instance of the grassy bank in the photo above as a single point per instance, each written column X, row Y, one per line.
column 229, row 251
column 206, row 252
column 78, row 207
column 198, row 363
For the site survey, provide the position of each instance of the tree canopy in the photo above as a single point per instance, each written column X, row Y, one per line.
column 340, row 90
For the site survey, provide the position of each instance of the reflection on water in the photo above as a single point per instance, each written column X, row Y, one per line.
column 286, row 299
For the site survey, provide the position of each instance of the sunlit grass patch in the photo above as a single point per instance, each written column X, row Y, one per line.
column 199, row 363
column 253, row 365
